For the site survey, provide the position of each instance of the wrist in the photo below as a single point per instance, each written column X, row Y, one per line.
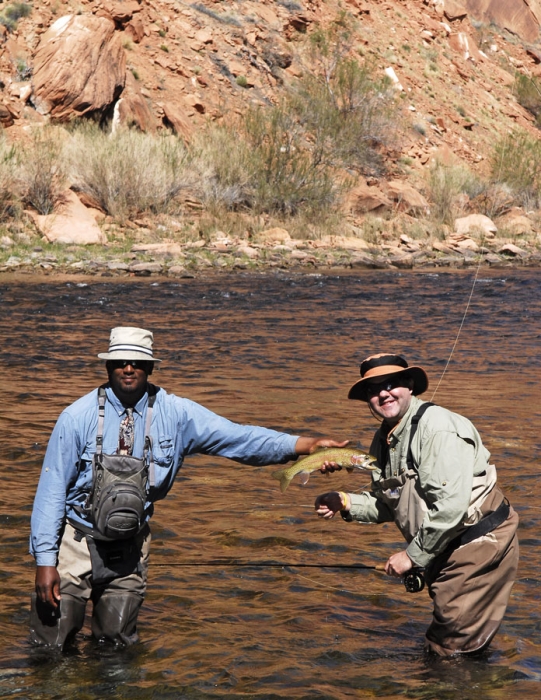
column 345, row 501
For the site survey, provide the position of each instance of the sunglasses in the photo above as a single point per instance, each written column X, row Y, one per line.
column 387, row 385
column 145, row 365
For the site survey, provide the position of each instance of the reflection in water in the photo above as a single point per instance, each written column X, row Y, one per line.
column 278, row 350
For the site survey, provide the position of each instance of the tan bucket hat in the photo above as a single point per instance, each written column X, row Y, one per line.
column 385, row 365
column 129, row 343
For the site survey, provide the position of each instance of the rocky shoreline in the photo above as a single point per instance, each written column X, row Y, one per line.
column 277, row 251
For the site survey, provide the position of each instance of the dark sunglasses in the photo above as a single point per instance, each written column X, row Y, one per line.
column 387, row 385
column 145, row 365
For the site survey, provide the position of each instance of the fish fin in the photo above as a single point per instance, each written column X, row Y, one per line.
column 304, row 476
column 283, row 478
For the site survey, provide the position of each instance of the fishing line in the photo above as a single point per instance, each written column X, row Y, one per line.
column 459, row 328
column 500, row 168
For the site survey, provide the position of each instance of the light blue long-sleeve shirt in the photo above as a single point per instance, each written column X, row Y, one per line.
column 180, row 427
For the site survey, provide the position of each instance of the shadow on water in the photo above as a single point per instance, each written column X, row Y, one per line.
column 276, row 350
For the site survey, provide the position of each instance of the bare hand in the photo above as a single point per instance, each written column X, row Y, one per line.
column 398, row 564
column 306, row 445
column 328, row 504
column 48, row 585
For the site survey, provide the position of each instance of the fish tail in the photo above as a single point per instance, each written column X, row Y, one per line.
column 283, row 478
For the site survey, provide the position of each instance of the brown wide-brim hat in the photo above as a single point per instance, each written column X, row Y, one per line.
column 385, row 365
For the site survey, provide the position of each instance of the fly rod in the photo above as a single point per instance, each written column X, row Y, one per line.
column 413, row 579
column 271, row 564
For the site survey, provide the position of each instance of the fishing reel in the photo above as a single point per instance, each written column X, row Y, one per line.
column 414, row 580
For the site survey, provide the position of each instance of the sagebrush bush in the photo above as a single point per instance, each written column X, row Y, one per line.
column 14, row 12
column 261, row 165
column 41, row 171
column 516, row 163
column 446, row 187
column 8, row 177
column 528, row 93
column 127, row 172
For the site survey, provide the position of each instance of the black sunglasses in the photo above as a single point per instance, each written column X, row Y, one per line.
column 387, row 385
column 145, row 365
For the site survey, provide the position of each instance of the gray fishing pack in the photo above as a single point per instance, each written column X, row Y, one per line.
column 120, row 483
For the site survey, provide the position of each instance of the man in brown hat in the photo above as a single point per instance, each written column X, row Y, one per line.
column 436, row 483
column 111, row 456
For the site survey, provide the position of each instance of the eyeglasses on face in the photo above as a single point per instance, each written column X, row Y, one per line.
column 135, row 364
column 387, row 385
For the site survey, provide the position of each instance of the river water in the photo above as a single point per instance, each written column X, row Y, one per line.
column 279, row 350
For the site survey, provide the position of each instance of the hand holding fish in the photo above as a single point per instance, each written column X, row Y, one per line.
column 328, row 504
column 306, row 445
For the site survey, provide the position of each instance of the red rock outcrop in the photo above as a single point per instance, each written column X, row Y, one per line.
column 521, row 17
column 79, row 67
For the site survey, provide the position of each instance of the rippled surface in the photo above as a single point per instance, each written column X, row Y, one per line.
column 277, row 350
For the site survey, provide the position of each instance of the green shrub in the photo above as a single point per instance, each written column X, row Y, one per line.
column 445, row 189
column 13, row 13
column 294, row 156
column 528, row 93
column 516, row 162
column 127, row 172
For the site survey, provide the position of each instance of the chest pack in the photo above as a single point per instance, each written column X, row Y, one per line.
column 120, row 483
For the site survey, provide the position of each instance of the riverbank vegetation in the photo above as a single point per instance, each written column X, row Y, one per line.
column 291, row 165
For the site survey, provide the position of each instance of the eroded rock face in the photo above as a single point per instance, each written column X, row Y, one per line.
column 521, row 17
column 79, row 67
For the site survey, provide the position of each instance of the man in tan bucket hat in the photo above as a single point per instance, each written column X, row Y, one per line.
column 436, row 483
column 111, row 456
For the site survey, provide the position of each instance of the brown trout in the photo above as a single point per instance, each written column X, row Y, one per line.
column 347, row 457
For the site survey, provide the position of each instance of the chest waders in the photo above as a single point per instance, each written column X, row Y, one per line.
column 116, row 506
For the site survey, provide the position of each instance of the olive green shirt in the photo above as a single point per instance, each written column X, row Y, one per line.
column 447, row 454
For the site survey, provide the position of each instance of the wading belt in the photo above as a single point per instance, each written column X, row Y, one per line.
column 484, row 526
column 488, row 522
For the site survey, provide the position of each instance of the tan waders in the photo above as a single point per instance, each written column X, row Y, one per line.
column 116, row 602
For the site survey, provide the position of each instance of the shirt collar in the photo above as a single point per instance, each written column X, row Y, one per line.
column 120, row 408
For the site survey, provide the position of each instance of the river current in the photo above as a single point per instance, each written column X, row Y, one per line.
column 279, row 350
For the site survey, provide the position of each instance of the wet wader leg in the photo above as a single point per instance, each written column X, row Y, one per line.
column 471, row 592
column 50, row 630
column 117, row 604
column 74, row 569
column 115, row 618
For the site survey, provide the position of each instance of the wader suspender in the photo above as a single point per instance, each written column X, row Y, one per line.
column 148, row 440
column 414, row 425
column 488, row 522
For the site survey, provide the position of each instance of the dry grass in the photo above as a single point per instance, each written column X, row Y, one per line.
column 449, row 188
column 127, row 172
column 516, row 164
column 41, row 173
